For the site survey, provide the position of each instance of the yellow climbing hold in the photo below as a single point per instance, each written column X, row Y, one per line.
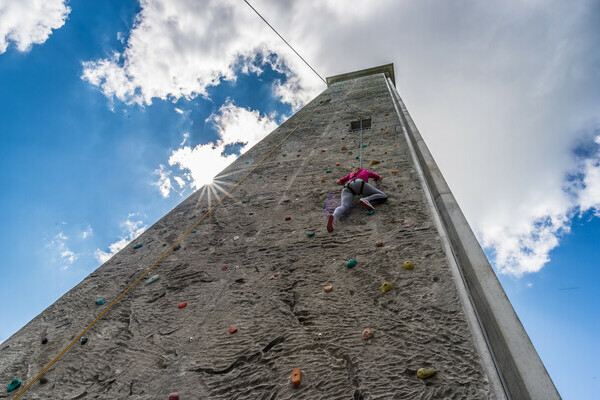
column 409, row 264
column 322, row 180
column 374, row 162
column 386, row 287
column 425, row 373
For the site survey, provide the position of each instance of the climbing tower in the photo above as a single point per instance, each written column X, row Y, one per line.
column 241, row 293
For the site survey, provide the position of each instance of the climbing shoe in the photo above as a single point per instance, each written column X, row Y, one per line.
column 330, row 223
column 365, row 203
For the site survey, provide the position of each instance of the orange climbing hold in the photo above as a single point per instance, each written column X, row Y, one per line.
column 181, row 306
column 394, row 172
column 337, row 164
column 379, row 244
column 344, row 148
column 296, row 377
column 322, row 180
column 232, row 329
column 328, row 288
column 368, row 334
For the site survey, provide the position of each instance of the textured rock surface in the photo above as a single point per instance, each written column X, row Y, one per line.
column 146, row 347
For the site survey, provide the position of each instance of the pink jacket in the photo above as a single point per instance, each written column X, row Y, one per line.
column 361, row 174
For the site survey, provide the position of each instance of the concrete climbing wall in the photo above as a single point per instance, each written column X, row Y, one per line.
column 246, row 266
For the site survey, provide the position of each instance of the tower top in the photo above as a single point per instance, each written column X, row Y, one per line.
column 387, row 69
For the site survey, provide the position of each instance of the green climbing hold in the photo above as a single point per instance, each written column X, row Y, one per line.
column 194, row 231
column 152, row 279
column 100, row 301
column 364, row 145
column 356, row 157
column 247, row 162
column 370, row 212
column 328, row 171
column 15, row 383
column 245, row 200
column 351, row 263
column 137, row 246
column 260, row 177
column 310, row 234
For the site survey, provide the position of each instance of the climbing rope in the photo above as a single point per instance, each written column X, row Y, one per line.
column 151, row 267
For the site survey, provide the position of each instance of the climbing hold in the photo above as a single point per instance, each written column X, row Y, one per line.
column 44, row 340
column 374, row 162
column 43, row 380
column 399, row 185
column 245, row 200
column 224, row 267
column 247, row 162
column 276, row 274
column 100, row 301
column 194, row 231
column 425, row 373
column 350, row 152
column 299, row 150
column 181, row 306
column 322, row 180
column 372, row 149
column 370, row 212
column 385, row 133
column 177, row 247
column 386, row 287
column 344, row 148
column 385, row 152
column 401, row 220
column 260, row 177
column 328, row 171
column 288, row 218
column 174, row 396
column 364, row 145
column 408, row 264
column 232, row 329
column 152, row 279
column 95, row 287
column 15, row 383
column 395, row 145
column 379, row 244
column 137, row 246
column 236, row 237
column 83, row 340
column 296, row 377
column 328, row 288
column 164, row 244
column 368, row 334
column 310, row 234
column 356, row 157
column 386, row 114
column 322, row 151
column 250, row 213
column 337, row 164
column 351, row 263
column 394, row 172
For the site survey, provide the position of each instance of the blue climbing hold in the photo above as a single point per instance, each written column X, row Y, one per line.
column 370, row 212
column 137, row 246
column 260, row 177
column 15, row 383
column 356, row 157
column 351, row 263
column 310, row 234
column 100, row 301
column 194, row 231
column 177, row 247
column 364, row 145
column 152, row 279
column 83, row 341
column 328, row 171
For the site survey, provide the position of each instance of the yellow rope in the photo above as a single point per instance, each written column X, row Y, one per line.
column 99, row 317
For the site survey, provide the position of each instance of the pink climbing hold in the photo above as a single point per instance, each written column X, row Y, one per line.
column 288, row 218
column 299, row 150
column 174, row 396
column 224, row 267
column 181, row 306
column 276, row 274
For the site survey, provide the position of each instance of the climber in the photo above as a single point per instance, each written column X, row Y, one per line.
column 356, row 183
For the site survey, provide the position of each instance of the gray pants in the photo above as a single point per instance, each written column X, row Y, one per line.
column 369, row 193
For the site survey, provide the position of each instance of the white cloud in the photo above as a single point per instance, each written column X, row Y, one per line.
column 132, row 230
column 164, row 181
column 69, row 256
column 201, row 163
column 178, row 110
column 63, row 254
column 29, row 22
column 500, row 92
column 87, row 233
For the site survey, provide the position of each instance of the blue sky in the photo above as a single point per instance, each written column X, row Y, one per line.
column 114, row 111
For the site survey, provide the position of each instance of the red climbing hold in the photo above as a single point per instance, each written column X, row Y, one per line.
column 232, row 329
column 181, row 306
column 224, row 267
column 299, row 150
column 174, row 396
column 288, row 218
column 276, row 274
column 250, row 213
